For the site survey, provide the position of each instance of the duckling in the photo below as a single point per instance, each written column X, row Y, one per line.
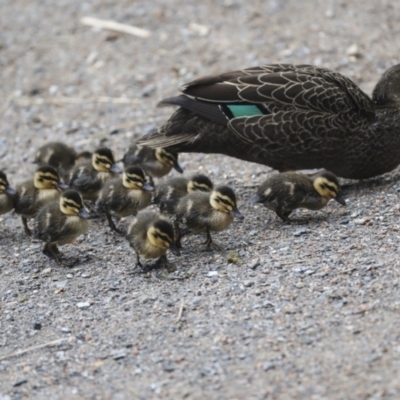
column 168, row 193
column 205, row 212
column 287, row 191
column 154, row 162
column 57, row 154
column 89, row 178
column 61, row 222
column 126, row 196
column 151, row 235
column 45, row 187
column 8, row 196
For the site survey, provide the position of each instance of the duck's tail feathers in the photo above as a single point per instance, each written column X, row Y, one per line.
column 157, row 139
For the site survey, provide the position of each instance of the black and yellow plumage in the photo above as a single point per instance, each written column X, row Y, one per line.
column 122, row 197
column 150, row 235
column 204, row 212
column 8, row 196
column 89, row 177
column 45, row 186
column 156, row 163
column 289, row 117
column 61, row 222
column 168, row 193
column 287, row 191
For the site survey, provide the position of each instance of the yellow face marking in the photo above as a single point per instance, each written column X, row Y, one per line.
column 221, row 202
column 132, row 181
column 45, row 180
column 159, row 239
column 101, row 163
column 69, row 207
column 326, row 188
column 164, row 157
column 193, row 186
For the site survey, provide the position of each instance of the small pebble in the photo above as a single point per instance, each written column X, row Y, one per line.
column 37, row 326
column 84, row 304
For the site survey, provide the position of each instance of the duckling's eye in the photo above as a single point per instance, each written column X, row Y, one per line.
column 224, row 201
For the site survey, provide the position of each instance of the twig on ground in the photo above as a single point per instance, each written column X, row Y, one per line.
column 180, row 311
column 116, row 27
column 27, row 350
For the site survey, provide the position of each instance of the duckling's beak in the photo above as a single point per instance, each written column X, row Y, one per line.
column 114, row 168
column 255, row 199
column 174, row 249
column 62, row 185
column 10, row 191
column 236, row 213
column 339, row 198
column 177, row 167
column 147, row 186
column 84, row 214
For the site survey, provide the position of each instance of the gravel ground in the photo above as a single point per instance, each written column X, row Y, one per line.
column 304, row 311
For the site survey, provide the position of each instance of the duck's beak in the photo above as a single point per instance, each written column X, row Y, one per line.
column 84, row 214
column 339, row 198
column 174, row 249
column 10, row 191
column 62, row 185
column 147, row 186
column 255, row 199
column 114, row 168
column 177, row 167
column 236, row 213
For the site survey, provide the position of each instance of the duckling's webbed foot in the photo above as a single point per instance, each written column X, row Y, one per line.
column 26, row 227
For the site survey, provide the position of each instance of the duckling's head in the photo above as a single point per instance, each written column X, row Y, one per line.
column 161, row 234
column 134, row 178
column 168, row 158
column 103, row 161
column 4, row 185
column 199, row 183
column 387, row 90
column 223, row 199
column 327, row 185
column 46, row 177
column 71, row 203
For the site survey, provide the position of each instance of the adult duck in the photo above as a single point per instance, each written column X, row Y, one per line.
column 289, row 117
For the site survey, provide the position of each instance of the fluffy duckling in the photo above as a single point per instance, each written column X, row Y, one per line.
column 57, row 154
column 168, row 193
column 61, row 222
column 205, row 212
column 45, row 187
column 89, row 178
column 151, row 235
column 287, row 191
column 126, row 196
column 8, row 196
column 154, row 162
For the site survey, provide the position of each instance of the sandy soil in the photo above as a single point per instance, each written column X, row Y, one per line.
column 307, row 312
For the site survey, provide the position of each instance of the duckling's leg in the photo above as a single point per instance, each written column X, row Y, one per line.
column 209, row 244
column 111, row 223
column 50, row 252
column 178, row 234
column 161, row 262
column 283, row 215
column 26, row 227
column 138, row 263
